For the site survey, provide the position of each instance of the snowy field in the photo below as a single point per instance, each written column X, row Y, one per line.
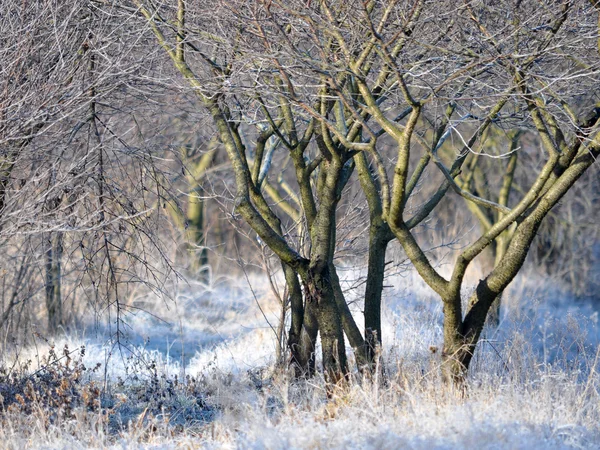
column 198, row 373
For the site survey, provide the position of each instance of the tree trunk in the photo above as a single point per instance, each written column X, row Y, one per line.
column 453, row 367
column 196, row 235
column 379, row 237
column 464, row 343
column 308, row 339
column 378, row 242
column 461, row 336
column 459, row 347
column 54, row 251
column 348, row 323
column 319, row 293
column 299, row 361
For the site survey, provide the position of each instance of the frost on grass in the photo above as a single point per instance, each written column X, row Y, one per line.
column 205, row 378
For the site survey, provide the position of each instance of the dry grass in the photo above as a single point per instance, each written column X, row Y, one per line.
column 534, row 384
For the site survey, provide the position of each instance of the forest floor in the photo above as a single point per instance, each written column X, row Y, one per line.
column 197, row 371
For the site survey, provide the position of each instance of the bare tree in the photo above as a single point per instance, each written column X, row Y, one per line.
column 517, row 70
column 43, row 60
column 387, row 89
column 75, row 189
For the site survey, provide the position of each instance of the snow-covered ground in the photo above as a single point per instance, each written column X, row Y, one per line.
column 533, row 384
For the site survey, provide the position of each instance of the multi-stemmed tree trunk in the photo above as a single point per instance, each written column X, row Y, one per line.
column 320, row 181
column 461, row 344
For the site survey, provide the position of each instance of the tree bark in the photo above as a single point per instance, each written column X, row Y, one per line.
column 348, row 323
column 320, row 295
column 453, row 369
column 295, row 342
column 499, row 250
column 378, row 242
column 308, row 339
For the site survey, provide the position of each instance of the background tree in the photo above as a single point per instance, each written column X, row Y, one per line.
column 74, row 187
